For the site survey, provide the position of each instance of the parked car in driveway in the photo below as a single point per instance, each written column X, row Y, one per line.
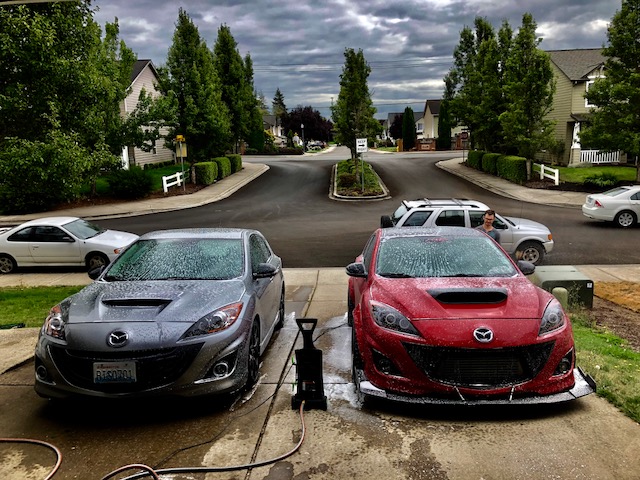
column 60, row 241
column 444, row 315
column 620, row 205
column 520, row 237
column 180, row 312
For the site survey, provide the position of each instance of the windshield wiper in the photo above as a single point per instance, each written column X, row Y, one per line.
column 462, row 275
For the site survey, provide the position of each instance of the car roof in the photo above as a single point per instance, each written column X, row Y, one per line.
column 58, row 221
column 230, row 233
column 396, row 232
column 442, row 202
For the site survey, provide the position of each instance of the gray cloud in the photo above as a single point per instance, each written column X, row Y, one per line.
column 298, row 46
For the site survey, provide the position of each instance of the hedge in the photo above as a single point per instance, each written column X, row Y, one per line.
column 206, row 172
column 512, row 168
column 224, row 167
column 474, row 159
column 236, row 162
column 490, row 163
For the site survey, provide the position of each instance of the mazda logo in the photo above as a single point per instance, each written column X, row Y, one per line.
column 117, row 339
column 483, row 335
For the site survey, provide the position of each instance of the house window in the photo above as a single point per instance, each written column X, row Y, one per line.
column 590, row 81
column 420, row 128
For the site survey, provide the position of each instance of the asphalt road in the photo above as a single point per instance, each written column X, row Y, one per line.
column 291, row 206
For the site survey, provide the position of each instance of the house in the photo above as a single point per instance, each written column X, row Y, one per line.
column 386, row 125
column 430, row 119
column 144, row 75
column 273, row 125
column 574, row 71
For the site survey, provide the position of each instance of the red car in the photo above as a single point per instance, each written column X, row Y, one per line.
column 443, row 315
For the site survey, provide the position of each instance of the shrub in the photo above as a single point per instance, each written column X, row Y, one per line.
column 289, row 151
column 474, row 159
column 130, row 184
column 490, row 163
column 512, row 168
column 206, row 172
column 236, row 162
column 601, row 180
column 224, row 167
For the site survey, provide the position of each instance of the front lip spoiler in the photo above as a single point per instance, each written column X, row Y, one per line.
column 584, row 385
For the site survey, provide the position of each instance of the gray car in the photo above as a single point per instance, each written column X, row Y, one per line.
column 520, row 237
column 179, row 312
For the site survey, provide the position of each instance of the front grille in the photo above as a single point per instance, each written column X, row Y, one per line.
column 480, row 368
column 154, row 368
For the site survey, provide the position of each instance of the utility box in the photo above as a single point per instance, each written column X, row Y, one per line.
column 578, row 285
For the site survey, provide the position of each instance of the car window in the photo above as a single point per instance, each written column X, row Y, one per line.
column 419, row 256
column 259, row 252
column 450, row 218
column 367, row 253
column 83, row 229
column 179, row 259
column 50, row 234
column 23, row 235
column 417, row 219
column 475, row 218
column 615, row 192
column 635, row 196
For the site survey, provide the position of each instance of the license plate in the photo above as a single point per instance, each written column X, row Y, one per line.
column 114, row 372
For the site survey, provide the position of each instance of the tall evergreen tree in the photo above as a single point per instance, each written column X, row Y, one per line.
column 529, row 88
column 615, row 122
column 443, row 142
column 353, row 113
column 408, row 130
column 255, row 126
column 395, row 130
column 231, row 71
column 278, row 106
column 191, row 77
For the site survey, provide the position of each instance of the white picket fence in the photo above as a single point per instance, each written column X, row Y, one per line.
column 548, row 172
column 171, row 180
column 596, row 156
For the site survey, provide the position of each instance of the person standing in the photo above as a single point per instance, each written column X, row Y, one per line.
column 487, row 225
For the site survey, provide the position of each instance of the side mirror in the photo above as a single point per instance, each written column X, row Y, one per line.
column 96, row 272
column 356, row 269
column 265, row 270
column 385, row 221
column 527, row 268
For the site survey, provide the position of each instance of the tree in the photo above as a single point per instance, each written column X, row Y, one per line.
column 395, row 130
column 353, row 113
column 443, row 142
column 614, row 123
column 408, row 130
column 529, row 88
column 231, row 71
column 256, row 135
column 190, row 77
column 278, row 106
column 315, row 126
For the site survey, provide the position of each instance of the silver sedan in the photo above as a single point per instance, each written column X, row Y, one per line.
column 179, row 312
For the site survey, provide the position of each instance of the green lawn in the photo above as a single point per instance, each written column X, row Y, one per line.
column 102, row 185
column 30, row 305
column 578, row 175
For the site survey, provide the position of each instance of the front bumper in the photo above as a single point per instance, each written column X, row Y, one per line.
column 584, row 385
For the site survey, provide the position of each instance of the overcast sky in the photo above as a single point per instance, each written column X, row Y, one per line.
column 298, row 46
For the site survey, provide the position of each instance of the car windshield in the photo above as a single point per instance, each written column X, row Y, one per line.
column 442, row 256
column 398, row 214
column 179, row 259
column 614, row 192
column 83, row 229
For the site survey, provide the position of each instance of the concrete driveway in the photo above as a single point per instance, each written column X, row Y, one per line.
column 583, row 439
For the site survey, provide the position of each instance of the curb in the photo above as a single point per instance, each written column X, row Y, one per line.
column 334, row 195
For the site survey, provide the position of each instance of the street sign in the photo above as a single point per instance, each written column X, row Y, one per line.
column 361, row 145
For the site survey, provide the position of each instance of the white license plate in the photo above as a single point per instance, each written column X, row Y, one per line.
column 114, row 372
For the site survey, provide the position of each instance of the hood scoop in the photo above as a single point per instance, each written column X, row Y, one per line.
column 469, row 295
column 159, row 303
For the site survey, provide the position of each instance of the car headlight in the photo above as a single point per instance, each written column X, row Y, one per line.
column 391, row 319
column 552, row 318
column 215, row 321
column 55, row 323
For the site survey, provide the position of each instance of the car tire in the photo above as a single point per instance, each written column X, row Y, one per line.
column 7, row 264
column 530, row 252
column 625, row 219
column 253, row 355
column 96, row 260
column 357, row 365
column 350, row 308
column 280, row 323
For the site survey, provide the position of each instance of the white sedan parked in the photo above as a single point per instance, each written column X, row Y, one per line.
column 620, row 205
column 60, row 241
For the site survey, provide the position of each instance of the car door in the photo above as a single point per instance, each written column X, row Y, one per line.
column 417, row 218
column 634, row 201
column 18, row 246
column 450, row 218
column 52, row 245
column 267, row 290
